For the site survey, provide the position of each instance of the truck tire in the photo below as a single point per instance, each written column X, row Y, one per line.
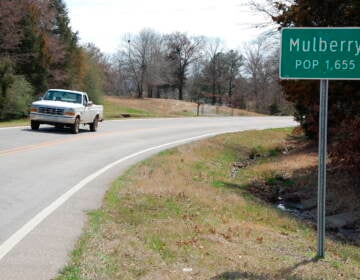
column 76, row 126
column 94, row 124
column 35, row 125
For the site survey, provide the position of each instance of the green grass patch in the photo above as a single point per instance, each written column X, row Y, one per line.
column 218, row 184
column 20, row 122
column 279, row 180
column 155, row 243
column 114, row 111
column 167, row 152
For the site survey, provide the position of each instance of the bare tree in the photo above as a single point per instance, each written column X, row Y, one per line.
column 220, row 71
column 254, row 68
column 143, row 51
column 141, row 64
column 182, row 51
column 195, row 83
column 212, row 70
column 261, row 70
column 120, row 77
column 11, row 31
column 158, row 69
column 233, row 60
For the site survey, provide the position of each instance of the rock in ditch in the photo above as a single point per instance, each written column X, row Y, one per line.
column 341, row 220
column 309, row 204
column 291, row 197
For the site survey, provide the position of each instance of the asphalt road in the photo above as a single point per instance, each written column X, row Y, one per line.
column 50, row 178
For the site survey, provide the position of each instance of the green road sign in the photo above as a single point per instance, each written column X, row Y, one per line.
column 320, row 53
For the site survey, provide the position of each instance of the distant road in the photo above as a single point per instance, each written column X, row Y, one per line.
column 50, row 178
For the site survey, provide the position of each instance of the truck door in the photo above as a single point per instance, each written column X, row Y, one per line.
column 87, row 110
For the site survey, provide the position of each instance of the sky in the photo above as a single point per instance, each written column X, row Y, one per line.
column 105, row 22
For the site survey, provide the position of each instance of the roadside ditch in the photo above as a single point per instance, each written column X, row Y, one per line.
column 296, row 193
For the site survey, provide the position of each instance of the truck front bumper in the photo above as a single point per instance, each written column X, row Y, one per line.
column 51, row 119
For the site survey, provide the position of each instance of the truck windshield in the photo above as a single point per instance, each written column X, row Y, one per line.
column 64, row 96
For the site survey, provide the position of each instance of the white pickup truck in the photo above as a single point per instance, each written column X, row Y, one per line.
column 68, row 108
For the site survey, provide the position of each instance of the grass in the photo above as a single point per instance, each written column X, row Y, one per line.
column 114, row 110
column 116, row 107
column 11, row 123
column 181, row 209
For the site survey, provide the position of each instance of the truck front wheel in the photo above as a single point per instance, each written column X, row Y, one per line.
column 76, row 126
column 35, row 125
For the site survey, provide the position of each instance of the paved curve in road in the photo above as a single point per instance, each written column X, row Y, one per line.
column 42, row 204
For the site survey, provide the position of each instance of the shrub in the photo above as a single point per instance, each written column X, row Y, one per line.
column 16, row 103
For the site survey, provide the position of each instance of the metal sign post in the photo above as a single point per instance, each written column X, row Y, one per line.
column 323, row 112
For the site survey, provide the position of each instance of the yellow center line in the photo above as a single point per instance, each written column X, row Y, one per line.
column 61, row 141
column 82, row 137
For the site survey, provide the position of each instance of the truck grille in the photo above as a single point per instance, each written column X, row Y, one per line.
column 51, row 111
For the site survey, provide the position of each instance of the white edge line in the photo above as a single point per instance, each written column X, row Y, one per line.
column 20, row 234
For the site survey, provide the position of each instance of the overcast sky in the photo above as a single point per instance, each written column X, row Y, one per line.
column 104, row 22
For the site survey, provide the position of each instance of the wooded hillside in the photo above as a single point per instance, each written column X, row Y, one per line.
column 39, row 50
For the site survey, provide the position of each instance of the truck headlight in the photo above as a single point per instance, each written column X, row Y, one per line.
column 33, row 109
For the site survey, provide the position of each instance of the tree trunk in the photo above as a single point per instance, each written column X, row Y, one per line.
column 140, row 91
column 230, row 92
column 181, row 86
column 180, row 92
column 150, row 91
column 213, row 100
column 157, row 92
column 219, row 95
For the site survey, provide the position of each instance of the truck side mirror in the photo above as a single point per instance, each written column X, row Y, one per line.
column 40, row 98
column 90, row 103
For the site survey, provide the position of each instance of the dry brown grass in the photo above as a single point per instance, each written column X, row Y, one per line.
column 182, row 210
column 154, row 105
column 289, row 163
column 170, row 107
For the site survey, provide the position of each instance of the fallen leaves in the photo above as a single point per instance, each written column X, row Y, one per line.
column 260, row 240
column 190, row 242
